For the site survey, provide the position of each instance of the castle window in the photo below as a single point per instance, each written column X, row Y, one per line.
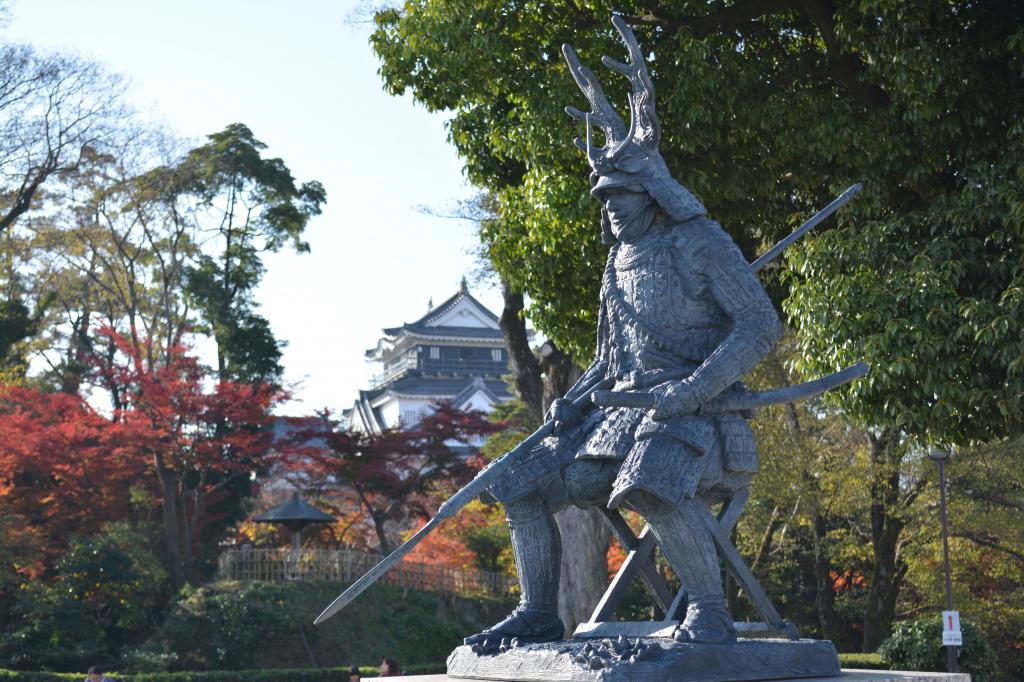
column 435, row 352
column 496, row 354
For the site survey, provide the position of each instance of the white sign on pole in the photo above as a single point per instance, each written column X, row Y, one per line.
column 951, row 635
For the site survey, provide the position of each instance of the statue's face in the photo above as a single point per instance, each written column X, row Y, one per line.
column 627, row 210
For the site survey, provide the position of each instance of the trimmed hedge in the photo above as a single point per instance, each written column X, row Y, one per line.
column 858, row 661
column 301, row 675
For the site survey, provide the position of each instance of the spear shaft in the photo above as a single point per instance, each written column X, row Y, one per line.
column 483, row 480
column 490, row 474
column 838, row 202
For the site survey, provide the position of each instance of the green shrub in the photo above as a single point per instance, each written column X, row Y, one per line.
column 244, row 625
column 210, row 628
column 917, row 645
column 107, row 595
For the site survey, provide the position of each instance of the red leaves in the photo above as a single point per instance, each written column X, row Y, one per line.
column 393, row 473
column 58, row 466
column 177, row 413
column 67, row 467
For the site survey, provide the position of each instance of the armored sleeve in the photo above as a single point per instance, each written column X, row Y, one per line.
column 738, row 292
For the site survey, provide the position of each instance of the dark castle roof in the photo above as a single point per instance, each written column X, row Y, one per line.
column 449, row 388
column 423, row 330
column 455, row 389
column 441, row 310
column 425, row 326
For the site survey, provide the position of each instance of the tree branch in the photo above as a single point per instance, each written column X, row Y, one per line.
column 722, row 21
column 844, row 68
column 987, row 540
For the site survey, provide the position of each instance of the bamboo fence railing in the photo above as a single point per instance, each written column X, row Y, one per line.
column 347, row 565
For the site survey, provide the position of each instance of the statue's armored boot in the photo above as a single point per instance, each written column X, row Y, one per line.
column 687, row 544
column 537, row 548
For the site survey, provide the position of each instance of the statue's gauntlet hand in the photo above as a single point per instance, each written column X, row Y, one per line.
column 674, row 399
column 564, row 414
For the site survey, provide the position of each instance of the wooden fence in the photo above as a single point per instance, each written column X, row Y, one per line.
column 347, row 565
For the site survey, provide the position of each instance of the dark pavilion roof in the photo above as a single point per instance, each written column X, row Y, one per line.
column 294, row 510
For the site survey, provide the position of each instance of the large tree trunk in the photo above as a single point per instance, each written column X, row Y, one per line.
column 187, row 540
column 886, row 525
column 76, row 358
column 584, row 569
column 825, row 598
column 584, row 576
column 585, row 536
column 169, row 509
column 522, row 362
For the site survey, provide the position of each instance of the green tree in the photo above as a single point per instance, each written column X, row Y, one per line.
column 252, row 205
column 986, row 499
column 767, row 109
column 801, row 528
column 108, row 593
column 54, row 109
column 111, row 252
column 916, row 645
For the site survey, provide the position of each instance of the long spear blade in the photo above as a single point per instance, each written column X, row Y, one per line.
column 483, row 480
column 773, row 252
column 369, row 578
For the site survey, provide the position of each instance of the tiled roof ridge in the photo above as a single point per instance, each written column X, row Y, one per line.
column 444, row 308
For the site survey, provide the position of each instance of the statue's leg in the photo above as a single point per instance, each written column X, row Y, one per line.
column 537, row 548
column 687, row 544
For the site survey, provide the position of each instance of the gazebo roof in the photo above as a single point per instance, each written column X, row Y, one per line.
column 292, row 511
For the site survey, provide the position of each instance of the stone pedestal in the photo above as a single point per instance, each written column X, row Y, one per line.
column 646, row 659
column 846, row 676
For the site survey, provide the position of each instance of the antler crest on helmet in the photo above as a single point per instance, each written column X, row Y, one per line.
column 644, row 129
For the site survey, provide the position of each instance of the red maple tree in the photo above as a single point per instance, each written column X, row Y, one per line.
column 393, row 474
column 196, row 435
column 177, row 432
column 58, row 471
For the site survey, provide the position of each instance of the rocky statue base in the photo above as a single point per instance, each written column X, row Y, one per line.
column 649, row 658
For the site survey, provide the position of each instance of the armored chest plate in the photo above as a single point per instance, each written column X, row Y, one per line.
column 662, row 313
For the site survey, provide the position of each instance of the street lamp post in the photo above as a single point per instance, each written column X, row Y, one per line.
column 940, row 457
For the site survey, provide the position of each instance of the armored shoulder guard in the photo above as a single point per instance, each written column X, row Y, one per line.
column 738, row 292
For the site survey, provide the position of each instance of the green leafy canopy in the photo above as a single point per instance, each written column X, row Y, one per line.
column 768, row 110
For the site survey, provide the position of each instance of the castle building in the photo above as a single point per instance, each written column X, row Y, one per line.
column 455, row 352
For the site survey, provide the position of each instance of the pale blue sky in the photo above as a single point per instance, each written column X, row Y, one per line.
column 301, row 75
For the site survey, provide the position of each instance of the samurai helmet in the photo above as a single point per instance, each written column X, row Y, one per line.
column 628, row 157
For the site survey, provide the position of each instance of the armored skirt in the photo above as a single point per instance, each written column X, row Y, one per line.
column 614, row 451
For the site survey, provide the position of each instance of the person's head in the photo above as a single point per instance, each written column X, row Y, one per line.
column 353, row 674
column 94, row 673
column 389, row 668
column 628, row 208
column 629, row 157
